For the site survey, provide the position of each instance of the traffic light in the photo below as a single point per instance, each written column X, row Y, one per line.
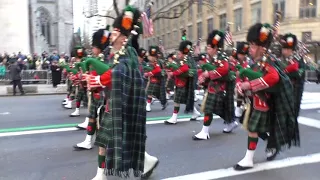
column 184, row 35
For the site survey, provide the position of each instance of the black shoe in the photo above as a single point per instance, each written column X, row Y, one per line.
column 164, row 106
column 237, row 167
column 274, row 153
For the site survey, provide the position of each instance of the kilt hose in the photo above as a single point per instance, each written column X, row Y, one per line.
column 180, row 95
column 214, row 104
column 154, row 90
column 95, row 104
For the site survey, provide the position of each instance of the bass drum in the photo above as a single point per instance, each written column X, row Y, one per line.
column 100, row 113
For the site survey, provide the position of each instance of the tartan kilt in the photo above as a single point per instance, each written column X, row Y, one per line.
column 154, row 90
column 214, row 104
column 95, row 104
column 259, row 121
column 170, row 85
column 180, row 95
column 81, row 94
column 69, row 85
column 297, row 92
column 102, row 134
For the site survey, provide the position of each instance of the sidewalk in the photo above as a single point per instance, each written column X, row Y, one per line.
column 35, row 89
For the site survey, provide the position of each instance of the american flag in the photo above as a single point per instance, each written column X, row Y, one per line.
column 276, row 24
column 197, row 49
column 228, row 36
column 147, row 22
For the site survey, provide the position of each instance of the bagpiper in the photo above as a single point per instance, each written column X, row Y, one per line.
column 79, row 54
column 272, row 107
column 240, row 56
column 157, row 81
column 184, row 82
column 122, row 134
column 171, row 59
column 70, row 88
column 219, row 95
column 100, row 40
column 293, row 66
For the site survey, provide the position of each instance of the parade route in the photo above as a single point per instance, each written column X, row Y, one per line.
column 42, row 135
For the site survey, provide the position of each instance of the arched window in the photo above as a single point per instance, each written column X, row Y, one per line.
column 44, row 20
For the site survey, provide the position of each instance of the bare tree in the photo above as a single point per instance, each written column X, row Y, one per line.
column 86, row 41
column 183, row 6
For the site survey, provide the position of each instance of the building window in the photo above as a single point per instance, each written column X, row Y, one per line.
column 279, row 5
column 44, row 21
column 199, row 27
column 190, row 10
column 236, row 1
column 306, row 36
column 238, row 19
column 176, row 38
column 199, row 6
column 308, row 8
column 211, row 2
column 210, row 25
column 223, row 21
column 256, row 13
column 163, row 40
column 190, row 33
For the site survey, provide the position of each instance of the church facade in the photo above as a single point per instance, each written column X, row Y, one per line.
column 51, row 23
column 35, row 26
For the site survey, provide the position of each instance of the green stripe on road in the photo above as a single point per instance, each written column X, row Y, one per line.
column 57, row 126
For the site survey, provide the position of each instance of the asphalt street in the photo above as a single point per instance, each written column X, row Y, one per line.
column 50, row 156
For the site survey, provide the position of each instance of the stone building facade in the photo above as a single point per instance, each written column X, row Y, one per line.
column 51, row 24
column 300, row 17
column 35, row 26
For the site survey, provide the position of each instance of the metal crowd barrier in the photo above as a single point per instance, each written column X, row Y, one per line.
column 44, row 76
column 30, row 76
column 311, row 76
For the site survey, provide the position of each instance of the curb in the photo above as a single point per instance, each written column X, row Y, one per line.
column 33, row 94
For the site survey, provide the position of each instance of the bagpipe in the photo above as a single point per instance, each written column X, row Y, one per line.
column 210, row 66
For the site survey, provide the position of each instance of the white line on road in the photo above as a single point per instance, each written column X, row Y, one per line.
column 5, row 113
column 74, row 128
column 222, row 173
column 302, row 120
column 37, row 131
column 309, row 122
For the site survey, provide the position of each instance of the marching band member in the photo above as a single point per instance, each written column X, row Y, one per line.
column 219, row 96
column 240, row 57
column 293, row 67
column 273, row 110
column 170, row 82
column 184, row 90
column 82, row 91
column 156, row 86
column 70, row 89
column 122, row 134
column 100, row 40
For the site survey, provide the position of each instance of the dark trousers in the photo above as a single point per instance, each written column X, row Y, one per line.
column 19, row 84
